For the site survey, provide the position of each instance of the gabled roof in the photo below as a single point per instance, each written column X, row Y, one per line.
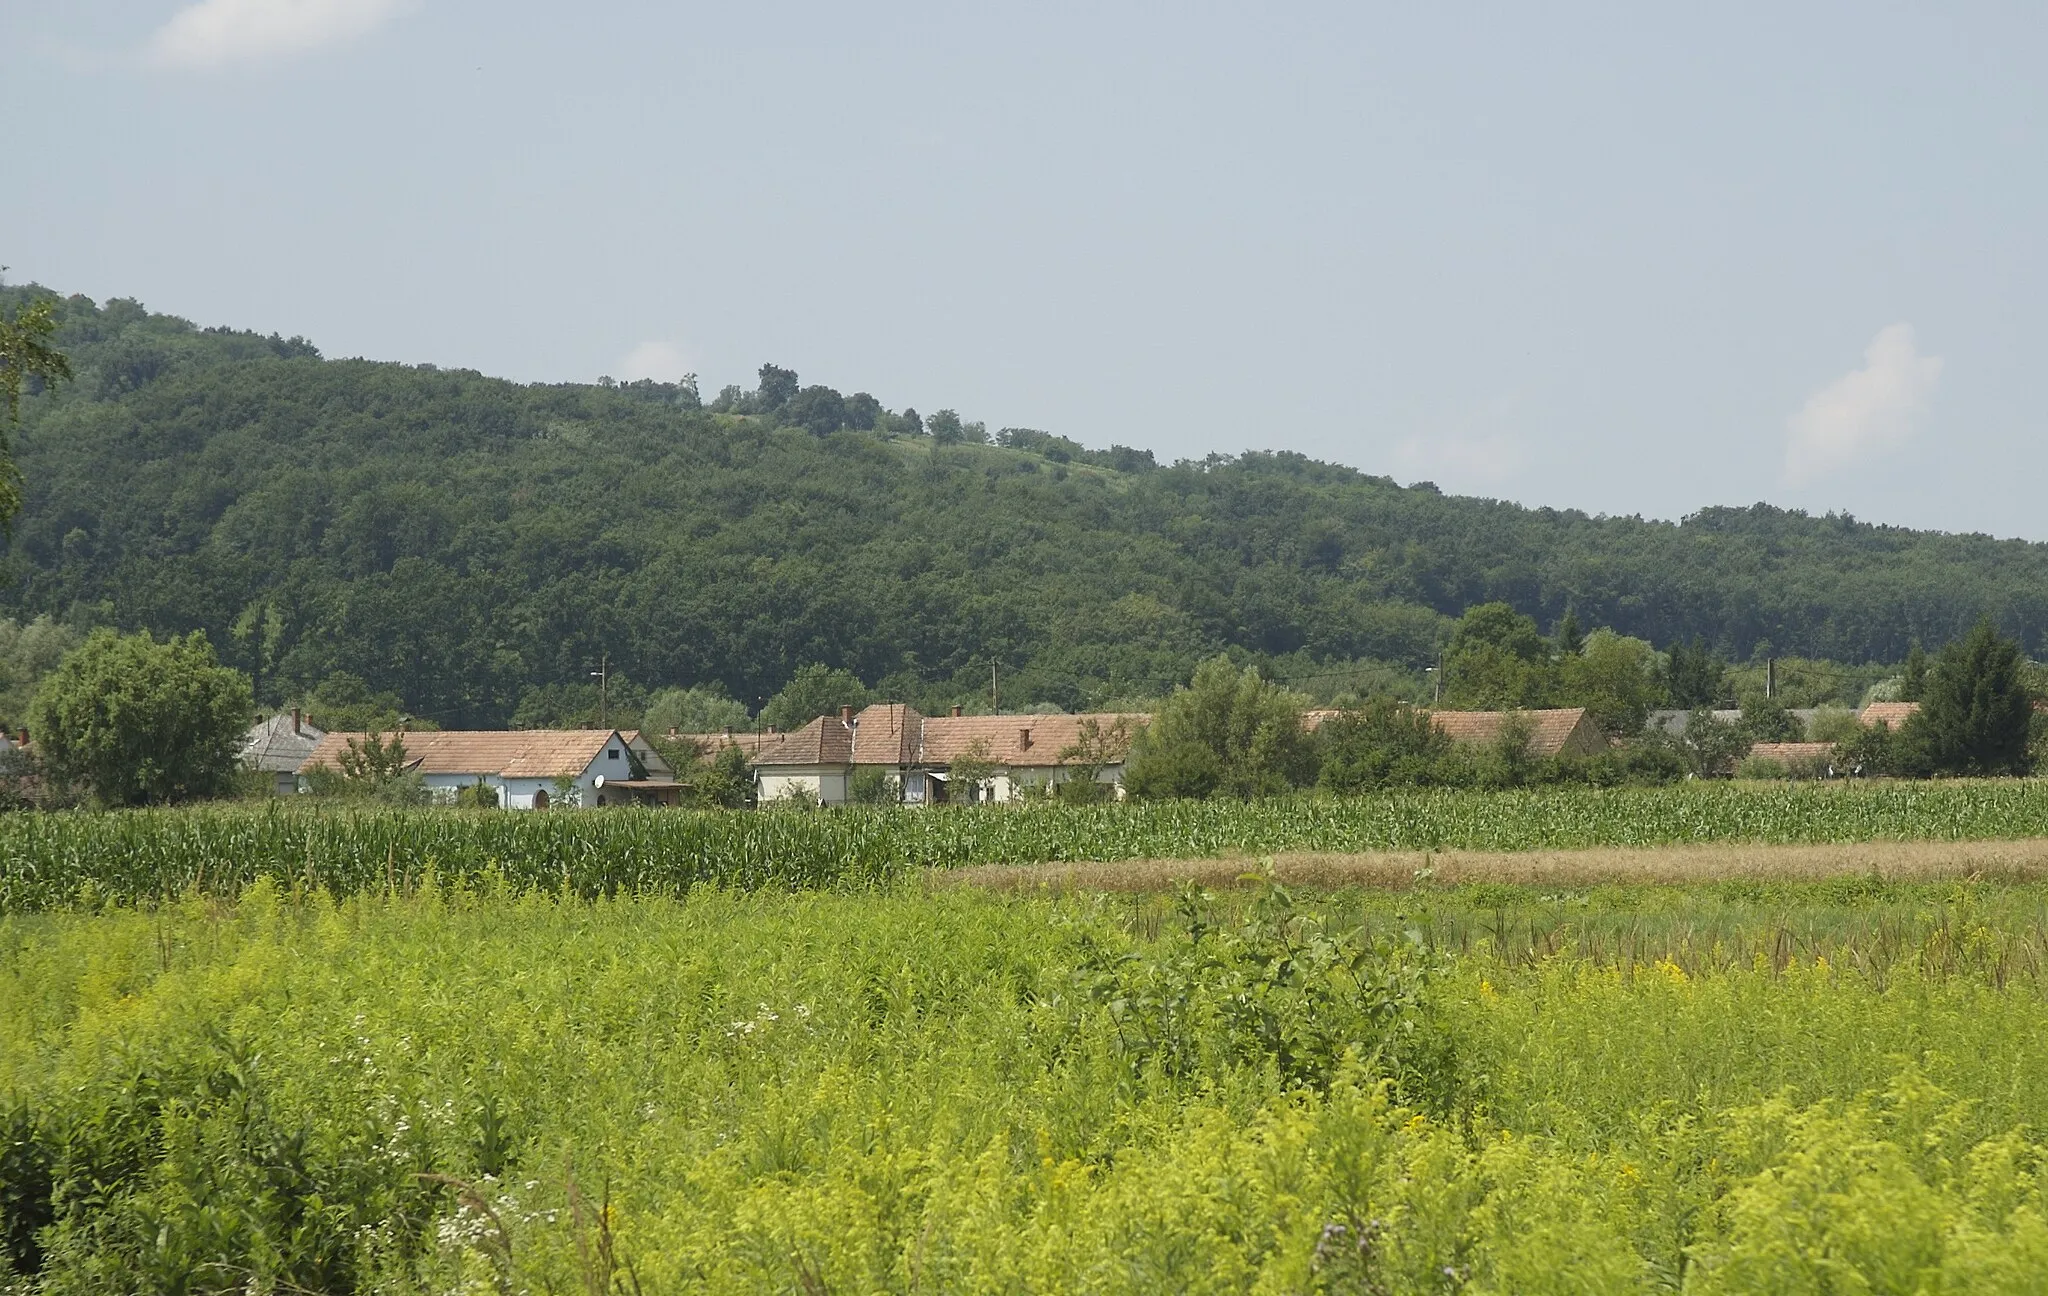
column 888, row 733
column 515, row 753
column 279, row 745
column 1894, row 714
column 828, row 740
column 1018, row 741
column 1554, row 732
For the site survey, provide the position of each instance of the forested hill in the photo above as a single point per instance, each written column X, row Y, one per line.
column 460, row 540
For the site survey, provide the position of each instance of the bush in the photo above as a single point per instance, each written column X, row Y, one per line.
column 872, row 786
column 141, row 722
column 1228, row 731
column 1385, row 743
column 1760, row 767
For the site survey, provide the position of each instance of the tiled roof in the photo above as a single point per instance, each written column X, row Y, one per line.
column 277, row 746
column 887, row 733
column 1894, row 714
column 1786, row 753
column 1018, row 741
column 828, row 740
column 1552, row 732
column 514, row 753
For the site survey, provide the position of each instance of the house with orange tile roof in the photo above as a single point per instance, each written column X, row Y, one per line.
column 918, row 752
column 1893, row 715
column 530, row 769
column 1556, row 731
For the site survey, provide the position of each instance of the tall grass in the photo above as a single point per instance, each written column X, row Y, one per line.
column 48, row 860
column 487, row 1091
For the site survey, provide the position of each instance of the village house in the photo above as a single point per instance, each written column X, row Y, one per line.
column 1893, row 714
column 1558, row 731
column 529, row 769
column 277, row 746
column 1555, row 731
column 817, row 763
column 1016, row 753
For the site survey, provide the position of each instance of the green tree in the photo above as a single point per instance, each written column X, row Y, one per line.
column 25, row 353
column 1765, row 720
column 972, row 772
column 1615, row 678
column 1229, row 731
column 1693, row 675
column 27, row 654
column 1094, row 748
column 1976, row 713
column 1570, row 642
column 699, row 709
column 1913, row 678
column 945, row 427
column 778, row 387
column 344, row 703
column 820, row 411
column 815, row 690
column 141, row 722
column 1497, row 659
column 1382, row 743
column 725, row 779
column 1710, row 745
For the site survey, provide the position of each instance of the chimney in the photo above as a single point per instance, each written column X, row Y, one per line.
column 671, row 731
column 728, row 733
column 771, row 730
column 21, row 737
column 1023, row 740
column 297, row 719
column 846, row 715
column 956, row 710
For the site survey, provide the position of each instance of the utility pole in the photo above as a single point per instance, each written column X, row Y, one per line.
column 603, row 676
column 1437, row 672
column 1770, row 677
column 995, row 697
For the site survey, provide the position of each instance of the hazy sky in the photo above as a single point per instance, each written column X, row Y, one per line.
column 1577, row 255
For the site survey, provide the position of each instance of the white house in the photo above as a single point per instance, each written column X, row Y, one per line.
column 530, row 769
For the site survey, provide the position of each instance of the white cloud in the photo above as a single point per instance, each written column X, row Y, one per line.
column 1864, row 412
column 217, row 32
column 661, row 360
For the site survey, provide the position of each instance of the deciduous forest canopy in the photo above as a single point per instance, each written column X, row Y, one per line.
column 462, row 541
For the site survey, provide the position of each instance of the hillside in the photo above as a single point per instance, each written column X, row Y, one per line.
column 460, row 540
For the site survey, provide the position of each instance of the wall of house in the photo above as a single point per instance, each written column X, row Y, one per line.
column 827, row 785
column 1016, row 784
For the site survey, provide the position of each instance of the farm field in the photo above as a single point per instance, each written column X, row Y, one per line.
column 64, row 859
column 1733, row 1086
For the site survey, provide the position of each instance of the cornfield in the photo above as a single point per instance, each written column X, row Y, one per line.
column 56, row 860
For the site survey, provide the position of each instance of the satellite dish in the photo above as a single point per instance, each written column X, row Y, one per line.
column 598, row 781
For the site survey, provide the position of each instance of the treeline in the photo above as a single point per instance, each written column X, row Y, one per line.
column 471, row 550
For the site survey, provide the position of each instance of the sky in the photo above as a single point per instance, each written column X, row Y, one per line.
column 1623, row 258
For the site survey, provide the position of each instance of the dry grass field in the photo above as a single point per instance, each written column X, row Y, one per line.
column 1991, row 861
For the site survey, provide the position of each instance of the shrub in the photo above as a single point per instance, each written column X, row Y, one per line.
column 872, row 785
column 1384, row 743
column 1228, row 731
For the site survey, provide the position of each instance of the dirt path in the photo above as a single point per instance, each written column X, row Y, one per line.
column 2011, row 861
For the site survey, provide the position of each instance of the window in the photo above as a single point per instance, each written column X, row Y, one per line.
column 613, row 754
